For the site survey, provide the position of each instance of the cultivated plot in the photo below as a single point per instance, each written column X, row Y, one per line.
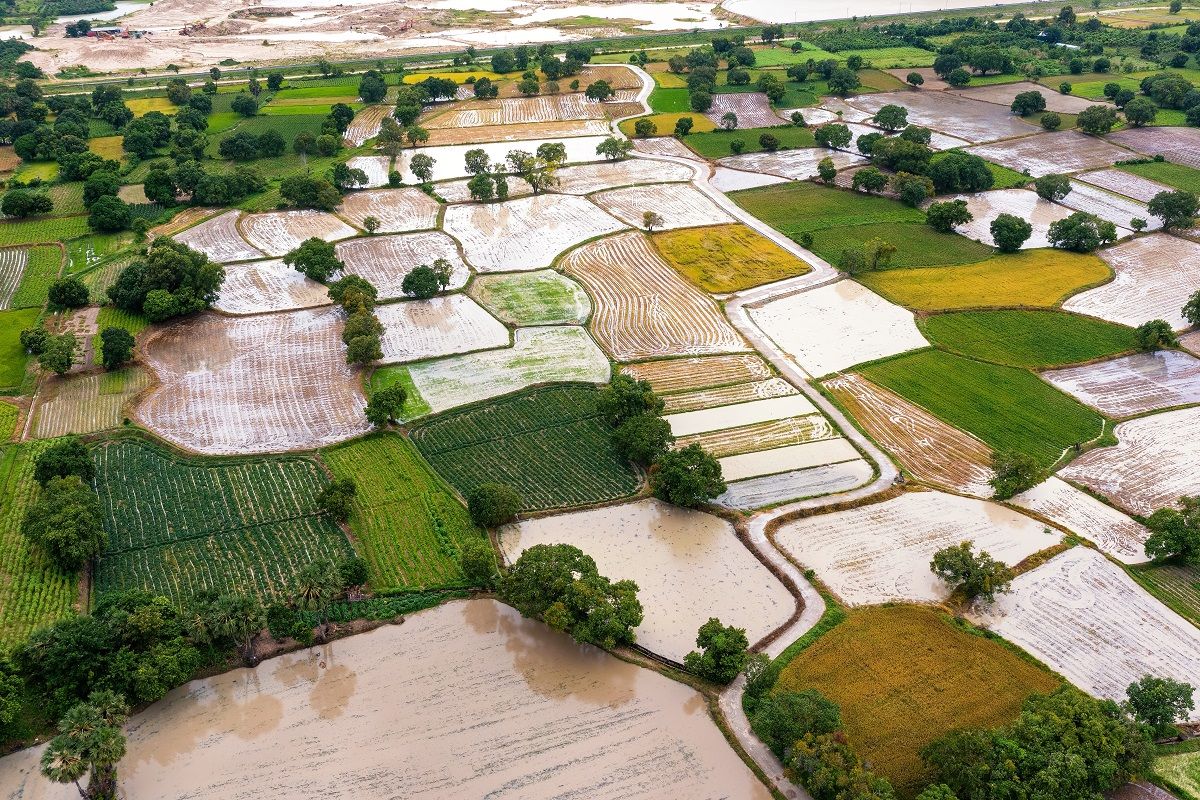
column 278, row 232
column 727, row 395
column 813, row 482
column 439, row 326
column 1125, row 183
column 518, row 111
column 1180, row 145
column 1151, row 466
column 1046, row 153
column 1155, row 275
column 762, row 436
column 365, row 125
column 525, row 234
column 642, row 307
column 12, row 268
column 688, row 565
column 881, row 552
column 798, row 165
column 1133, row 384
column 972, row 120
column 538, row 355
column 665, row 146
column 482, row 135
column 868, row 326
column 732, row 416
column 458, row 191
column 1106, row 205
column 86, row 403
column 927, row 447
column 218, row 238
column 727, row 258
column 398, row 210
column 752, row 109
column 787, row 459
column 725, row 179
column 386, row 260
column 588, row 178
column 679, row 205
column 375, row 167
column 1079, row 512
column 1085, row 618
column 686, row 374
column 257, row 287
column 1004, row 93
column 450, row 159
column 257, row 384
column 1022, row 203
column 544, row 297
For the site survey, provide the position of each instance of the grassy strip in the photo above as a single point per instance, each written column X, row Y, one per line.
column 13, row 357
column 1027, row 338
column 43, row 269
column 716, row 144
column 1175, row 175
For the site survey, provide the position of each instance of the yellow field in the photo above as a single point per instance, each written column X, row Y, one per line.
column 107, row 146
column 665, row 78
column 727, row 258
column 1032, row 278
column 666, row 123
column 458, row 77
column 904, row 677
column 144, row 105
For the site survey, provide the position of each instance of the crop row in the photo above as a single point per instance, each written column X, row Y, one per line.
column 41, row 270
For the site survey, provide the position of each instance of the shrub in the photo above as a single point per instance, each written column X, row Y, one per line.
column 68, row 293
column 316, row 259
column 1160, row 703
column 1051, row 121
column 1027, row 103
column 21, row 203
column 478, row 562
column 67, row 456
column 625, row 398
column 1176, row 209
column 782, row 718
column 869, row 179
column 109, row 214
column 978, row 575
column 493, row 504
column 1014, row 473
column 387, row 404
column 116, row 347
column 643, row 439
column 769, row 142
column 336, row 500
column 1096, row 119
column 1175, row 533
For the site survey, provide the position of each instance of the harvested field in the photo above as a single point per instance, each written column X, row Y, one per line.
column 588, row 178
column 408, row 526
column 178, row 526
column 1023, row 203
column 1060, row 151
column 257, row 287
column 376, row 168
column 1008, row 408
column 538, row 355
column 385, row 260
column 1149, row 467
column 664, row 146
column 727, row 258
column 218, row 238
column 927, row 447
column 493, row 134
column 1155, row 275
column 1106, row 205
column 365, row 125
column 797, row 485
column 1020, row 338
column 1004, row 93
column 525, row 234
column 1113, row 532
column 642, row 307
column 727, row 395
column 1133, row 384
column 517, row 111
column 12, row 268
column 905, row 676
column 557, row 719
column 686, row 374
column 880, row 553
column 533, row 298
column 737, row 415
column 1127, row 184
column 550, row 444
column 688, row 565
column 787, row 459
column 798, row 165
column 256, row 384
column 762, row 436
column 869, row 327
column 1085, row 618
column 1032, row 278
column 1180, row 145
column 440, row 326
column 277, row 233
column 732, row 180
column 753, row 110
column 86, row 403
column 184, row 219
column 680, row 206
column 972, row 120
column 450, row 159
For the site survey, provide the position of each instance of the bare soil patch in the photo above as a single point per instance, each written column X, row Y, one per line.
column 385, row 260
column 398, row 210
column 278, row 232
column 1046, row 153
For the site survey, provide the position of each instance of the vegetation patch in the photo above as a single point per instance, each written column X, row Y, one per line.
column 180, row 525
column 727, row 258
column 1027, row 338
column 550, row 444
column 12, row 354
column 904, row 676
column 916, row 245
column 1181, row 772
column 1006, row 407
column 1177, row 585
column 408, row 525
column 41, row 270
column 665, row 123
column 42, row 230
column 717, row 144
column 796, row 208
column 1034, row 278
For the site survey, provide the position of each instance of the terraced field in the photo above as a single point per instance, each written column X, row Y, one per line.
column 1134, row 384
column 407, row 524
column 549, row 444
column 1155, row 275
column 12, row 267
column 181, row 525
column 257, row 287
column 1079, row 512
column 278, row 232
column 683, row 374
column 439, row 326
column 680, row 205
column 218, row 238
column 398, row 210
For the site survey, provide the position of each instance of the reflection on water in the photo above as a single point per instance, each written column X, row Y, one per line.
column 466, row 700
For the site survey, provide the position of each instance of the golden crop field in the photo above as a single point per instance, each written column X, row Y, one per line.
column 666, row 123
column 904, row 676
column 727, row 258
column 1032, row 278
column 107, row 147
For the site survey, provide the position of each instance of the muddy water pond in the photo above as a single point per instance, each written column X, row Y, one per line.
column 467, row 700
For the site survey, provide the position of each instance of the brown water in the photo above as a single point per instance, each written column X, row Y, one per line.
column 465, row 701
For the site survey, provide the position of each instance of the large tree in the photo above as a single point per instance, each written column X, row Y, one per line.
column 1176, row 209
column 687, row 477
column 316, row 258
column 722, row 653
column 185, row 279
column 978, row 575
column 1160, row 702
column 90, row 742
column 1175, row 532
column 65, row 522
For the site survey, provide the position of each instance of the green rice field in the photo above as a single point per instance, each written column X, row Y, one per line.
column 1027, row 338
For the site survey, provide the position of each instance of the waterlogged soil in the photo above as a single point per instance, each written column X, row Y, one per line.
column 466, row 700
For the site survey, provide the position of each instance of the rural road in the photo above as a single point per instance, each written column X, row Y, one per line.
column 737, row 310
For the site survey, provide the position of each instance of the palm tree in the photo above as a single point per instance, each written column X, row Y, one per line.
column 316, row 586
column 239, row 618
column 91, row 741
column 63, row 763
